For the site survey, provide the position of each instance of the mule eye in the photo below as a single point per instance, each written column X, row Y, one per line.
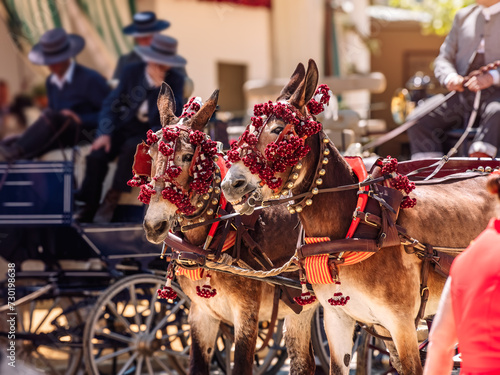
column 187, row 158
column 277, row 130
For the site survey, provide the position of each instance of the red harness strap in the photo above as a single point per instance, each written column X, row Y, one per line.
column 316, row 266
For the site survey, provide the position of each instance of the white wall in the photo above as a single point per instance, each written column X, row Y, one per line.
column 209, row 33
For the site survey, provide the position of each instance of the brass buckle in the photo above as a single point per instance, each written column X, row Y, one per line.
column 189, row 260
column 423, row 290
column 368, row 221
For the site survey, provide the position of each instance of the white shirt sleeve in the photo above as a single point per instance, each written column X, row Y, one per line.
column 495, row 75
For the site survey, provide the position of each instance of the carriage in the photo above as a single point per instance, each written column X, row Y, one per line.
column 86, row 294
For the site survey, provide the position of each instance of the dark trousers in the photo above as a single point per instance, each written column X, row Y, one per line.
column 123, row 146
column 430, row 133
column 49, row 132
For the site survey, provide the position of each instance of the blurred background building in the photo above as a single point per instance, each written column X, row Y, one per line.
column 244, row 45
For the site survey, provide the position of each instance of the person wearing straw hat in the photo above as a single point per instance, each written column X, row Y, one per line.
column 143, row 27
column 127, row 114
column 75, row 95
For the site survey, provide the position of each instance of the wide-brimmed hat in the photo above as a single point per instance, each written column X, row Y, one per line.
column 163, row 51
column 55, row 46
column 145, row 23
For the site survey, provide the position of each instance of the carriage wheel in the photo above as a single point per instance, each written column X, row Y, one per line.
column 266, row 362
column 372, row 356
column 366, row 355
column 48, row 334
column 130, row 330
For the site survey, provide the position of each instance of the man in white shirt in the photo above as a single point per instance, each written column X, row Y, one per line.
column 472, row 42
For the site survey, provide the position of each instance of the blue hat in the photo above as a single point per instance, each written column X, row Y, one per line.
column 163, row 51
column 145, row 23
column 55, row 46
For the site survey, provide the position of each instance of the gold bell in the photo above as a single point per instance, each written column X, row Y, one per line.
column 298, row 209
column 295, row 176
column 217, row 190
column 217, row 180
column 289, row 185
column 326, row 140
column 202, row 220
column 291, row 210
column 210, row 189
column 488, row 169
column 326, row 152
column 210, row 212
column 216, row 158
column 322, row 172
column 481, row 169
column 284, row 192
column 325, row 161
column 206, row 197
column 309, row 201
column 319, row 181
column 214, row 201
column 298, row 166
column 180, row 219
column 315, row 191
column 199, row 204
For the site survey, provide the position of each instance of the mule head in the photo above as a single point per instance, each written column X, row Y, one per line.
column 255, row 173
column 176, row 152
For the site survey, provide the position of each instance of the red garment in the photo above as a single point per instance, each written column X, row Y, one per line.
column 475, row 292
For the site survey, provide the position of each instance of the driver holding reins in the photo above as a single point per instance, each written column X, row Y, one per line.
column 472, row 43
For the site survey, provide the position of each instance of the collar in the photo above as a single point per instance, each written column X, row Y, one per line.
column 149, row 80
column 491, row 10
column 68, row 76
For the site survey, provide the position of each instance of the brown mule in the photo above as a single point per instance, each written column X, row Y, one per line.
column 239, row 301
column 384, row 289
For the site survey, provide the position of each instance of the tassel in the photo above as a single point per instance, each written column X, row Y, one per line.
column 338, row 298
column 206, row 291
column 306, row 297
column 167, row 292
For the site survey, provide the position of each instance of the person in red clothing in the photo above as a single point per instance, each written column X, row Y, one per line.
column 469, row 310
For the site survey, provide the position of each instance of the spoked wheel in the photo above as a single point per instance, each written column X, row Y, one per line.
column 48, row 334
column 372, row 356
column 131, row 331
column 368, row 357
column 267, row 361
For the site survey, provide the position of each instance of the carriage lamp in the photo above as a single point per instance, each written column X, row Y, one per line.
column 321, row 172
column 309, row 201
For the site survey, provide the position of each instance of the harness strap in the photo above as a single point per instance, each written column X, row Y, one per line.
column 424, row 276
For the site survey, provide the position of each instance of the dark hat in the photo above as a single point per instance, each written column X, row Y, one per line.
column 55, row 46
column 145, row 23
column 163, row 51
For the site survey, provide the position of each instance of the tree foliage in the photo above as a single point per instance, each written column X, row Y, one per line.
column 441, row 11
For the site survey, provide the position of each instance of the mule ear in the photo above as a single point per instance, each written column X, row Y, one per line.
column 200, row 119
column 291, row 86
column 307, row 87
column 166, row 106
